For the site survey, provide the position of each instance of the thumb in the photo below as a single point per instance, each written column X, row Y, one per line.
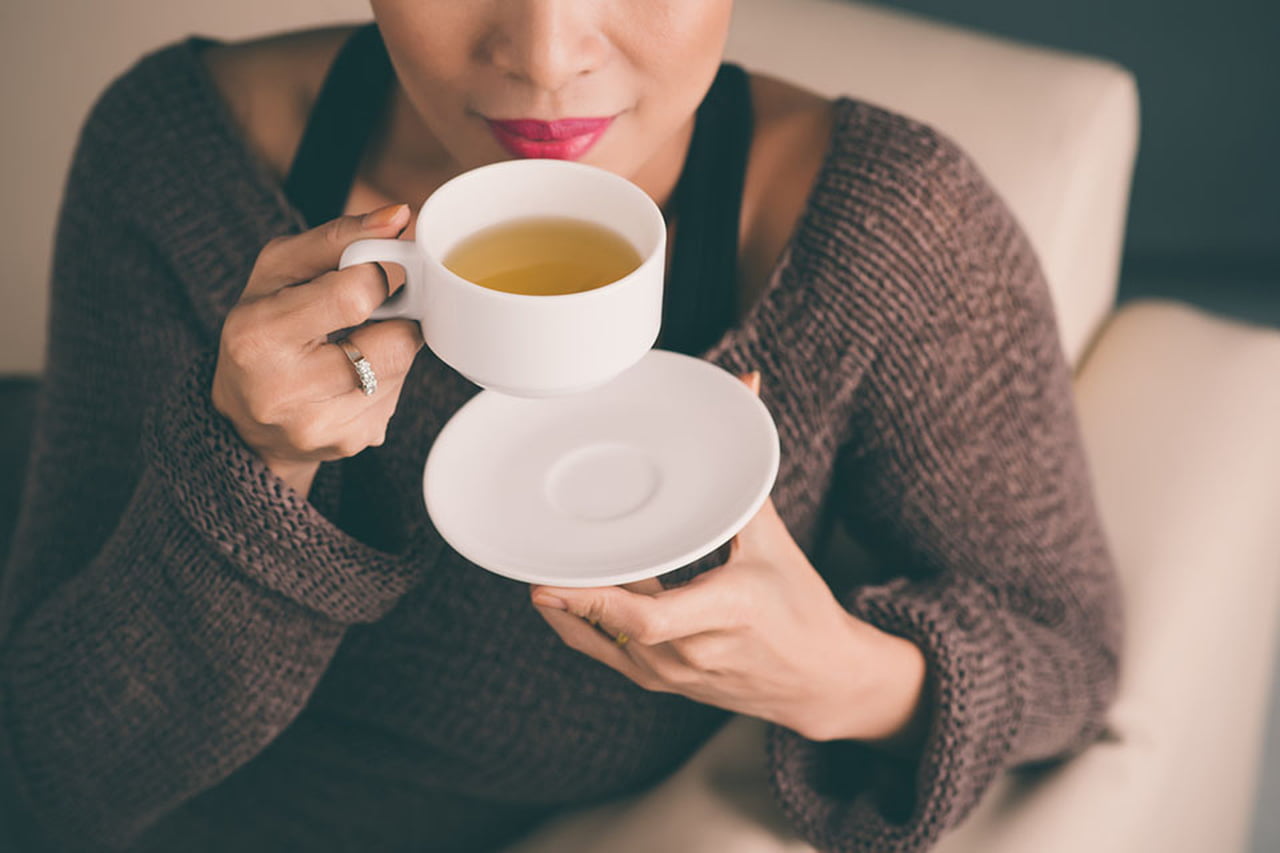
column 752, row 381
column 610, row 605
column 302, row 257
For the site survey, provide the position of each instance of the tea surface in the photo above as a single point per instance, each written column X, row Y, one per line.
column 544, row 256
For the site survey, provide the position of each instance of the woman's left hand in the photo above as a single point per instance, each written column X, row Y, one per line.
column 762, row 634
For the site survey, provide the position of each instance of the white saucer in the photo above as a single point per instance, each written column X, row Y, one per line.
column 660, row 466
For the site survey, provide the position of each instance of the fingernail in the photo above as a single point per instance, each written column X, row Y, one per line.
column 550, row 601
column 395, row 214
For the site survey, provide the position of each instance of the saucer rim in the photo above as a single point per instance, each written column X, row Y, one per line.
column 773, row 464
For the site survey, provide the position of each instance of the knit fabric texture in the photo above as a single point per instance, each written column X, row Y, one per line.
column 197, row 657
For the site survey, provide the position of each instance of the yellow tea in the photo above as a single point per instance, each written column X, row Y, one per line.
column 543, row 256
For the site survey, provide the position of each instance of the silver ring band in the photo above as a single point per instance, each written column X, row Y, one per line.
column 364, row 370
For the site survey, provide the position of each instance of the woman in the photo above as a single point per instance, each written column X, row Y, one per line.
column 228, row 621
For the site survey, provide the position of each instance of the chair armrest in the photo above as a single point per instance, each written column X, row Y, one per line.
column 1181, row 418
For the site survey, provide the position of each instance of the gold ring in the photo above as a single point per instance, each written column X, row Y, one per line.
column 621, row 639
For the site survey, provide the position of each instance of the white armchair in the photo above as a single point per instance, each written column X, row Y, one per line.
column 1180, row 412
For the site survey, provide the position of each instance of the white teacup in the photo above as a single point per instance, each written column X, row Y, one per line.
column 523, row 345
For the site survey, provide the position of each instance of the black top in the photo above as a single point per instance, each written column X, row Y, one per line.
column 700, row 298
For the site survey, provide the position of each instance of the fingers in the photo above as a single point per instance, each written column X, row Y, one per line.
column 660, row 652
column 371, row 421
column 339, row 299
column 390, row 348
column 669, row 632
column 302, row 257
column 593, row 642
column 653, row 618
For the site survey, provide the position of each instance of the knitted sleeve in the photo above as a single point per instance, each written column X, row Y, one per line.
column 168, row 603
column 965, row 476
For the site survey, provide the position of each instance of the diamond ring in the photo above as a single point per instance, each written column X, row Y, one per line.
column 364, row 370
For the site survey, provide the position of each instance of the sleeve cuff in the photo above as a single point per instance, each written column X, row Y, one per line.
column 846, row 796
column 234, row 501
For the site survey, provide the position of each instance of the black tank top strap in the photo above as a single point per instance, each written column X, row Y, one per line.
column 351, row 101
column 701, row 296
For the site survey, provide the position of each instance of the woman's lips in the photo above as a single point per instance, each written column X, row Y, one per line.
column 567, row 139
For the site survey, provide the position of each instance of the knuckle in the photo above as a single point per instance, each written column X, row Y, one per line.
column 233, row 326
column 273, row 257
column 261, row 410
column 246, row 347
column 331, row 231
column 642, row 633
column 218, row 395
column 354, row 301
column 308, row 438
column 271, row 253
column 402, row 349
column 699, row 654
column 349, row 446
column 593, row 612
column 243, row 335
column 236, row 318
column 650, row 630
column 314, row 436
column 335, row 232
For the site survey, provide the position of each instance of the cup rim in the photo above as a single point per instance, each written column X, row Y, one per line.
column 655, row 256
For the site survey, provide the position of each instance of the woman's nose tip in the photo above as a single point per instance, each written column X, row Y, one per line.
column 549, row 48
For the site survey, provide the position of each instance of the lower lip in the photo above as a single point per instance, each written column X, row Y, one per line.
column 557, row 149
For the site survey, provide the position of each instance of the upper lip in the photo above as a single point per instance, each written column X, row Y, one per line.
column 547, row 131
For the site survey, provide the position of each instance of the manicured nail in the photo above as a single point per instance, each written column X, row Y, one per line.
column 550, row 601
column 383, row 217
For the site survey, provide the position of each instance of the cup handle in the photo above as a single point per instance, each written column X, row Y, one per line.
column 403, row 252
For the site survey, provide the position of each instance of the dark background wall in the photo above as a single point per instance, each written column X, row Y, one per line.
column 1206, row 196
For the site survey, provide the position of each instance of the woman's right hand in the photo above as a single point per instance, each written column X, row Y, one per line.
column 293, row 396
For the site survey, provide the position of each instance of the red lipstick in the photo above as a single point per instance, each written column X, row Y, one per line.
column 567, row 139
